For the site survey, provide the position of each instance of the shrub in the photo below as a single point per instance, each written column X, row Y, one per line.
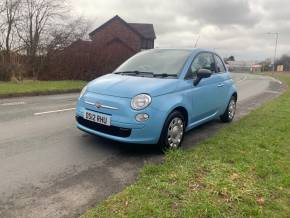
column 9, row 71
column 5, row 73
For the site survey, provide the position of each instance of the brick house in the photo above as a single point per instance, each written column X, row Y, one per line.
column 110, row 44
column 135, row 35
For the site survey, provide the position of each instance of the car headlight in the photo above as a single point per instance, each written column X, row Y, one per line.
column 140, row 102
column 83, row 91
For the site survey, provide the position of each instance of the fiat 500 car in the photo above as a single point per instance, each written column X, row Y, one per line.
column 156, row 96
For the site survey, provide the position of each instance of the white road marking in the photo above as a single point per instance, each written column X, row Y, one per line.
column 273, row 92
column 13, row 103
column 276, row 80
column 56, row 111
column 243, row 79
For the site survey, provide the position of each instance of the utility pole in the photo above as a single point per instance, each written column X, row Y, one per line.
column 275, row 51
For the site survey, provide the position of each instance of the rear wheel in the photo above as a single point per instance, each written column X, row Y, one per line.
column 172, row 132
column 230, row 112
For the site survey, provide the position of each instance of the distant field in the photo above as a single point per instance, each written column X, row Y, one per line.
column 243, row 171
column 30, row 87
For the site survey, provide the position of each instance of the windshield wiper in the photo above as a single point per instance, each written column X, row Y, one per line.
column 164, row 75
column 135, row 72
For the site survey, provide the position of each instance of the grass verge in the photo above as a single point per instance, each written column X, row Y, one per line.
column 243, row 171
column 30, row 87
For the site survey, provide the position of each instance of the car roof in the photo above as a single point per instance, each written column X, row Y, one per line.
column 192, row 50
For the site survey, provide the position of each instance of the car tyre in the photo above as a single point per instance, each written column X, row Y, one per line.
column 173, row 131
column 230, row 112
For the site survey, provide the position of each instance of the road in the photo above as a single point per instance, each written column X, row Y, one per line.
column 48, row 168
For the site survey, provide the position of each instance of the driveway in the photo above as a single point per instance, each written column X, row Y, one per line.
column 48, row 168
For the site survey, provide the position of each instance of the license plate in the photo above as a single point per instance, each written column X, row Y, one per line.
column 98, row 118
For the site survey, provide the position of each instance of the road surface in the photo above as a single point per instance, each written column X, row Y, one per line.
column 48, row 168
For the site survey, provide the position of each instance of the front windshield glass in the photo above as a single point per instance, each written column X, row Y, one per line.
column 165, row 62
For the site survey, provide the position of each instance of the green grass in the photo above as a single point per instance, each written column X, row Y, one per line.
column 39, row 87
column 243, row 171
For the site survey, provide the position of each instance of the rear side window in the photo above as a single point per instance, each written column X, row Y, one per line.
column 219, row 64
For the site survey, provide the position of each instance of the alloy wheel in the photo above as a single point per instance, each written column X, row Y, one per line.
column 232, row 109
column 175, row 132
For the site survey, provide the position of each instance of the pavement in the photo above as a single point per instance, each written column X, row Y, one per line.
column 48, row 168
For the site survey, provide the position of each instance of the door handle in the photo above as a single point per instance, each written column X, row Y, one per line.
column 221, row 85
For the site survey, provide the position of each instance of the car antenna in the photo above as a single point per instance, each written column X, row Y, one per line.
column 196, row 41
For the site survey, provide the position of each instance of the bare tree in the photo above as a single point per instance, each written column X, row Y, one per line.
column 10, row 11
column 63, row 35
column 37, row 18
column 1, row 24
column 285, row 61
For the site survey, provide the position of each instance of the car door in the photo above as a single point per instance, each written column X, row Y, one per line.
column 222, row 84
column 203, row 96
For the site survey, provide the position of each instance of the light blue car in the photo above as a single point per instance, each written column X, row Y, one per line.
column 156, row 96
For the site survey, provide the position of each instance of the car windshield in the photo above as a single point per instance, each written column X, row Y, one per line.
column 155, row 63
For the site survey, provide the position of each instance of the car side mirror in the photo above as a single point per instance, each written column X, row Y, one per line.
column 201, row 74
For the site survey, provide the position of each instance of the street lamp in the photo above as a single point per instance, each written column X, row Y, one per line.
column 275, row 51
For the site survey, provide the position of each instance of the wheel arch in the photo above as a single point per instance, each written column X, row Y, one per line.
column 182, row 110
column 235, row 94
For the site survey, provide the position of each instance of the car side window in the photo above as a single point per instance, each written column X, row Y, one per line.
column 219, row 64
column 202, row 61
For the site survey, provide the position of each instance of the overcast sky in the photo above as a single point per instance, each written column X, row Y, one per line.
column 231, row 27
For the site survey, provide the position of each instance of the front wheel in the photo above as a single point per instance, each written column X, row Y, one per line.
column 230, row 112
column 172, row 132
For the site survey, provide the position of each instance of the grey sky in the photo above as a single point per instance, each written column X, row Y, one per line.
column 232, row 27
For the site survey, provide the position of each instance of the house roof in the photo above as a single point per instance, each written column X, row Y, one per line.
column 142, row 29
column 145, row 29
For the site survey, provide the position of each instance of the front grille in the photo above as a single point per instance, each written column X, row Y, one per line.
column 111, row 130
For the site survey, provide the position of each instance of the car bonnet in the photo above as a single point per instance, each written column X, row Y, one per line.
column 130, row 86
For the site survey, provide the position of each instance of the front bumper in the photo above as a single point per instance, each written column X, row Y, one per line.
column 129, row 130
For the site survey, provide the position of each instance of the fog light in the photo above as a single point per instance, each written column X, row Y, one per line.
column 142, row 117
